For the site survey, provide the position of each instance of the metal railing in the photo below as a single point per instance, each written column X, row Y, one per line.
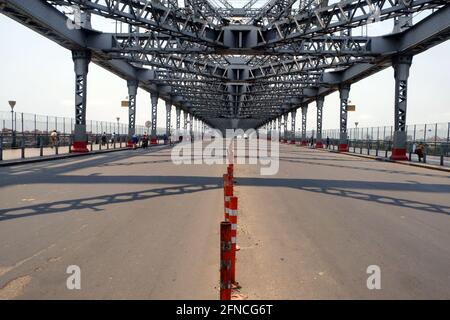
column 39, row 145
column 378, row 140
column 20, row 122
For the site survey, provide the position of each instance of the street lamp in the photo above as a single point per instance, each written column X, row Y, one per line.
column 12, row 104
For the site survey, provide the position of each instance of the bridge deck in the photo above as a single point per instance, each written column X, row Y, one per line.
column 141, row 227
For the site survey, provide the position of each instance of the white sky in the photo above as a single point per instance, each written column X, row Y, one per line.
column 39, row 75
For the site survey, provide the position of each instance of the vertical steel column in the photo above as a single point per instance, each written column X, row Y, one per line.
column 344, row 91
column 154, row 96
column 285, row 118
column 185, row 122
column 191, row 128
column 401, row 66
column 279, row 128
column 132, row 92
column 293, row 116
column 168, row 118
column 81, row 61
column 269, row 135
column 273, row 127
column 304, row 114
column 319, row 103
column 178, row 121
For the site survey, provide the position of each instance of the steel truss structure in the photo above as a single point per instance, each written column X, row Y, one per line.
column 238, row 67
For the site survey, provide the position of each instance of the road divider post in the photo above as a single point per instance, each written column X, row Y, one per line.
column 225, row 260
column 232, row 216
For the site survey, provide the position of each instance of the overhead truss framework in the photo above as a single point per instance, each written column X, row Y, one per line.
column 253, row 64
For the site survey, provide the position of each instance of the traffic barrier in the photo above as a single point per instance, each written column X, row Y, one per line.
column 230, row 171
column 225, row 260
column 227, row 193
column 232, row 216
column 228, row 256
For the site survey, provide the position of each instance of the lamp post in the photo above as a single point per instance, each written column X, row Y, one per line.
column 12, row 104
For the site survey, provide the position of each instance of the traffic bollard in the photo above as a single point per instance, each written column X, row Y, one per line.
column 228, row 193
column 232, row 216
column 230, row 172
column 225, row 260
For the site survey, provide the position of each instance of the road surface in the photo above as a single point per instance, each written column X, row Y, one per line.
column 140, row 227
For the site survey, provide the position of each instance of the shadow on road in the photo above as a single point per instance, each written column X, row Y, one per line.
column 97, row 202
column 337, row 165
column 191, row 184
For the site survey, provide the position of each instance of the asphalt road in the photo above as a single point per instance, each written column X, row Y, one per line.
column 140, row 227
column 136, row 225
column 312, row 230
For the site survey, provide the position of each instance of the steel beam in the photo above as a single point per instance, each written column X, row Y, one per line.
column 304, row 108
column 154, row 101
column 344, row 90
column 401, row 66
column 319, row 103
column 168, row 118
column 132, row 93
column 81, row 61
column 293, row 116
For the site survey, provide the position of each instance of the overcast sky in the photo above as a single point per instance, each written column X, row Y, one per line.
column 39, row 75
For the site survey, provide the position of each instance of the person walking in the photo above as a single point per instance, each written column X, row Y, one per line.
column 103, row 138
column 419, row 151
column 135, row 141
column 328, row 142
column 145, row 141
column 54, row 138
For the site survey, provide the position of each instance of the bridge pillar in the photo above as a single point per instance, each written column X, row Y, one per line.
column 168, row 118
column 279, row 129
column 132, row 92
column 154, row 96
column 401, row 66
column 269, row 135
column 191, row 126
column 319, row 102
column 178, row 121
column 274, row 128
column 304, row 114
column 293, row 116
column 81, row 60
column 185, row 122
column 285, row 118
column 344, row 91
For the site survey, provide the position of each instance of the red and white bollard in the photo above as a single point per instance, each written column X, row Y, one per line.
column 225, row 260
column 232, row 216
column 227, row 193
